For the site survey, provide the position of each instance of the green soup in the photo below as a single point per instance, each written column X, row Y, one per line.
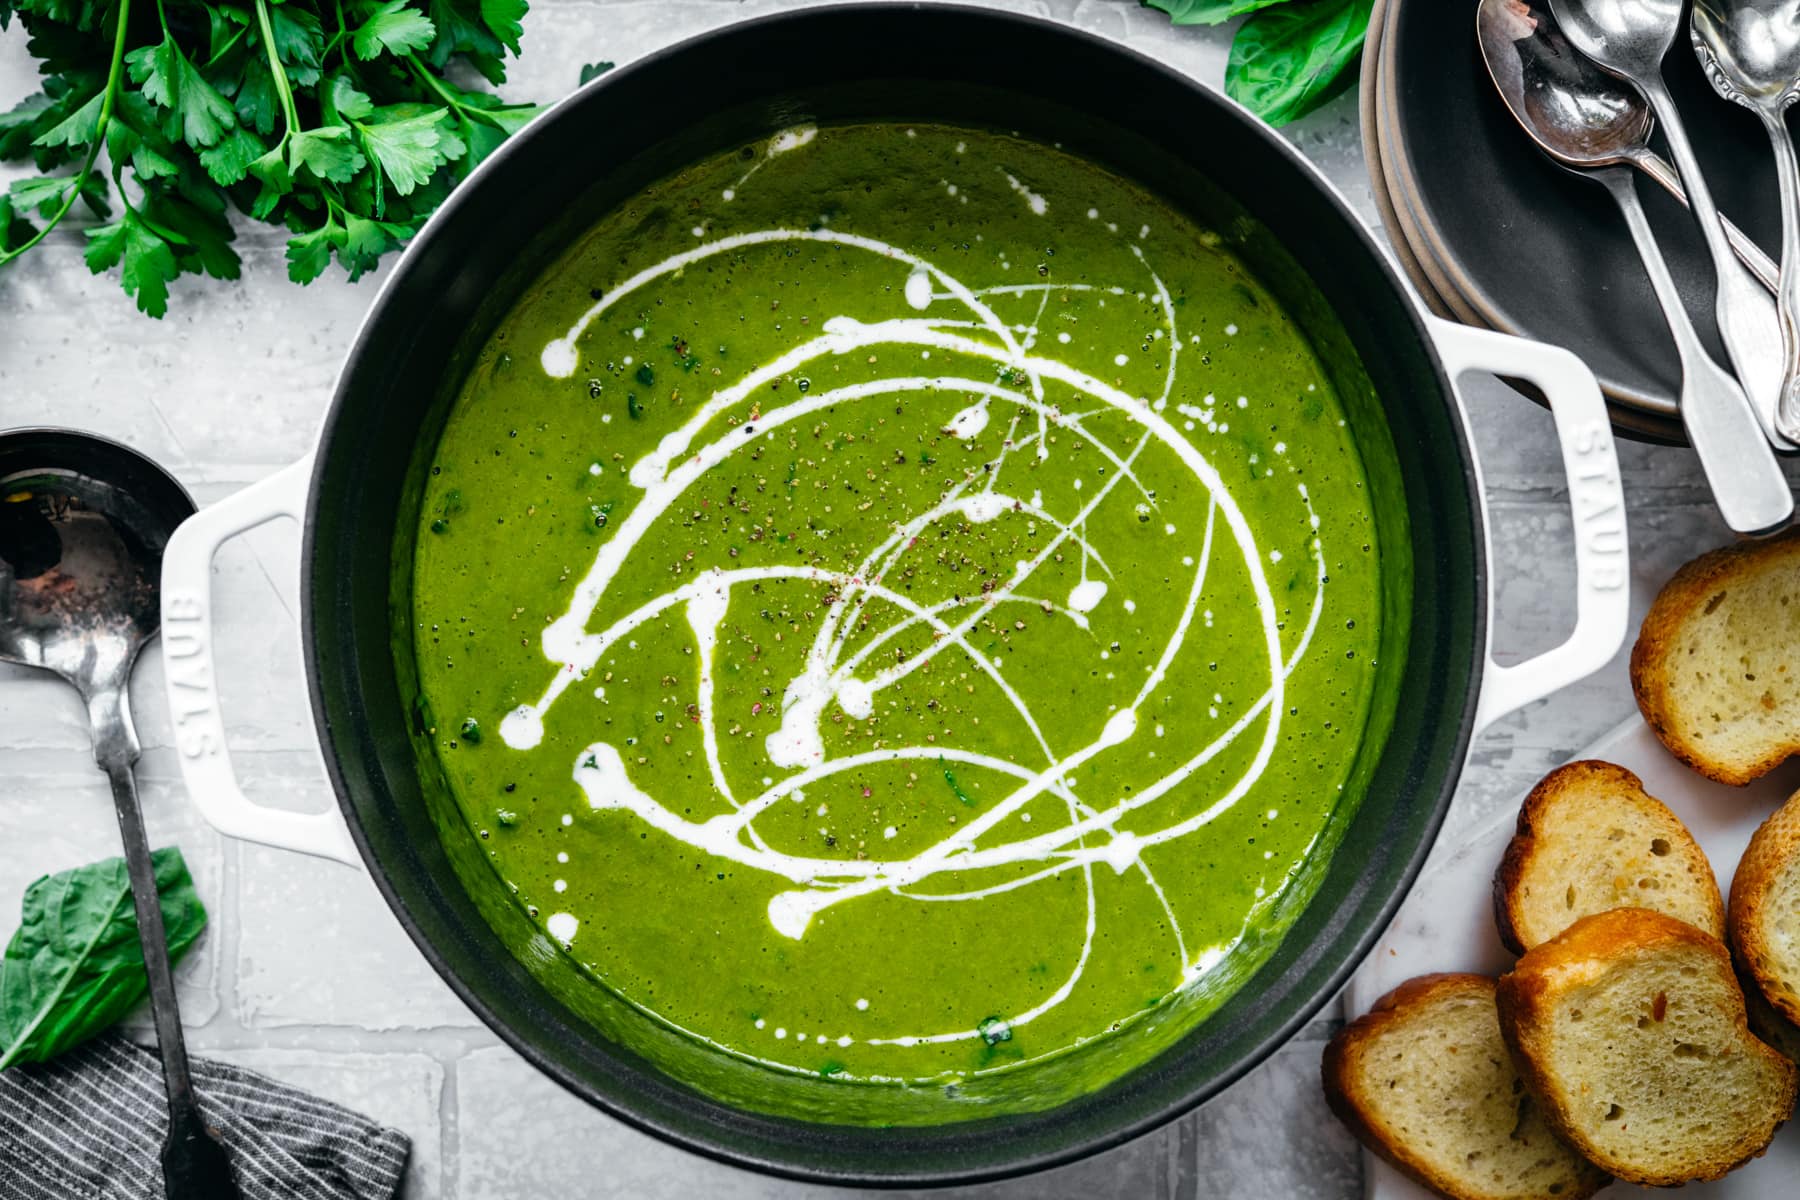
column 898, row 604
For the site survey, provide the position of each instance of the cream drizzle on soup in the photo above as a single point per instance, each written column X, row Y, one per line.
column 898, row 602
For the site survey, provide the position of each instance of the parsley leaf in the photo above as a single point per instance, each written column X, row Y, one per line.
column 339, row 122
column 77, row 129
column 342, row 101
column 328, row 152
column 504, row 18
column 409, row 147
column 271, row 170
column 299, row 42
column 310, row 253
column 169, row 79
column 17, row 124
column 394, row 28
column 200, row 239
column 148, row 260
column 229, row 161
column 136, row 135
column 43, row 194
column 15, row 230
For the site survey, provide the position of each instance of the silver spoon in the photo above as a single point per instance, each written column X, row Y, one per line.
column 1630, row 39
column 83, row 523
column 1751, row 52
column 1595, row 134
column 1532, row 64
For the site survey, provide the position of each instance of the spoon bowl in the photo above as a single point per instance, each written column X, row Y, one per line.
column 1626, row 37
column 1750, row 52
column 1578, row 114
column 83, row 523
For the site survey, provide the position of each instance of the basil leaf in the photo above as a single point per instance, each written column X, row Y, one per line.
column 75, row 967
column 1207, row 12
column 1288, row 60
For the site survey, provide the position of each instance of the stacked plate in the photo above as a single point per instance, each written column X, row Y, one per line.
column 1494, row 234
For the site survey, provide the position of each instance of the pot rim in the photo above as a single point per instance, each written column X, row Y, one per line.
column 1242, row 1063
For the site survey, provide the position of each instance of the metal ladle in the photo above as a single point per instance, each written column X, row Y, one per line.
column 83, row 524
column 1750, row 50
column 1630, row 39
column 1595, row 132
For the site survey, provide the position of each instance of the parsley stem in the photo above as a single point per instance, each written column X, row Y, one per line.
column 233, row 40
column 436, row 85
column 100, row 125
column 431, row 81
column 282, row 87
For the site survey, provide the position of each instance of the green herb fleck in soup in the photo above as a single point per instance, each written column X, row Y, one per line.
column 898, row 603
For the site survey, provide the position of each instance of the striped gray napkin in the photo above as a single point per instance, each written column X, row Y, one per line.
column 90, row 1125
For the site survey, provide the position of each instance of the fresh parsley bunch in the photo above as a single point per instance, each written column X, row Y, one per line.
column 1290, row 57
column 335, row 118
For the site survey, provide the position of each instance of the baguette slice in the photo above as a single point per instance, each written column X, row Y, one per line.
column 1424, row 1081
column 1630, row 1030
column 1765, row 909
column 1766, row 1023
column 1716, row 667
column 1590, row 838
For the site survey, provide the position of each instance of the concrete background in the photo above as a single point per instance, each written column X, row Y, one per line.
column 306, row 975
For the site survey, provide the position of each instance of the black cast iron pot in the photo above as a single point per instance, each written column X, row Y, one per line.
column 357, row 497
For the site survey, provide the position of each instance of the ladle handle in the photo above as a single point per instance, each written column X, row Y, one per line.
column 1602, row 556
column 195, row 1165
column 192, row 681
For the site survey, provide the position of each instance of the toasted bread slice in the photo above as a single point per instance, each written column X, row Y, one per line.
column 1766, row 1023
column 1716, row 667
column 1590, row 838
column 1765, row 909
column 1629, row 1029
column 1425, row 1081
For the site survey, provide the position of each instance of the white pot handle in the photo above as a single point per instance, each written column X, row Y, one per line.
column 1582, row 428
column 1602, row 555
column 187, row 638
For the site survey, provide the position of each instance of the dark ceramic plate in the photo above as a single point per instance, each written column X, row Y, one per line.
column 1534, row 250
column 1368, row 89
column 1427, row 273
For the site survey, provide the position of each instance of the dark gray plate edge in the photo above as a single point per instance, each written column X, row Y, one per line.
column 1636, row 414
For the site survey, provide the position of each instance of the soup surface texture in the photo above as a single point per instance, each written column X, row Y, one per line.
column 898, row 603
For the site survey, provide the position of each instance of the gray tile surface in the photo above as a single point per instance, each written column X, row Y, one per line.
column 305, row 973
